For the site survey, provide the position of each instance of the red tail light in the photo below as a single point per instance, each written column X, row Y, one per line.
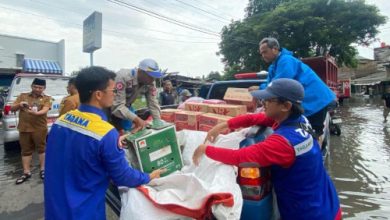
column 246, row 76
column 255, row 182
column 7, row 109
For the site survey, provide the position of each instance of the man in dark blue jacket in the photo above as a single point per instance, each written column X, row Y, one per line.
column 82, row 153
column 283, row 65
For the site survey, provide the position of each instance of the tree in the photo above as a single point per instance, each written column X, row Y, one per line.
column 258, row 7
column 239, row 47
column 214, row 76
column 308, row 27
column 230, row 71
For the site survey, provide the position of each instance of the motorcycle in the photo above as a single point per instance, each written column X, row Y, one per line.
column 335, row 122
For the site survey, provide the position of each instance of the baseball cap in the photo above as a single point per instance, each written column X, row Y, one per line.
column 285, row 88
column 185, row 92
column 150, row 66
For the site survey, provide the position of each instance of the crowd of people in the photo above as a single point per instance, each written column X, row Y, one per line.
column 84, row 151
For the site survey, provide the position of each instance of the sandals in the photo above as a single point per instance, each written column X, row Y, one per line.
column 27, row 176
column 23, row 178
column 42, row 174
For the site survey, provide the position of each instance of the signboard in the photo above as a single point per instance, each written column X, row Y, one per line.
column 344, row 88
column 92, row 32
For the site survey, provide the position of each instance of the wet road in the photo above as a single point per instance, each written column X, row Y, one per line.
column 359, row 164
column 24, row 201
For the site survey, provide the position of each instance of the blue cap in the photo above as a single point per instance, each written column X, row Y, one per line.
column 285, row 88
column 150, row 66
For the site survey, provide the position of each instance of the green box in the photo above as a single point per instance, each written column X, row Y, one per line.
column 157, row 149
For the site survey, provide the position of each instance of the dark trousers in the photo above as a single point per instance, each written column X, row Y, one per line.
column 317, row 121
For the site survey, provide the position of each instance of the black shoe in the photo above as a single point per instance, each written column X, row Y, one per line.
column 42, row 174
column 23, row 178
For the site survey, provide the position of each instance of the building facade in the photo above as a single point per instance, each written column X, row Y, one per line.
column 20, row 54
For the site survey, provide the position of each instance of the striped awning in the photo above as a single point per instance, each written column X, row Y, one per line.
column 41, row 66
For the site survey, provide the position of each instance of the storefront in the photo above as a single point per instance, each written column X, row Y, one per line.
column 20, row 54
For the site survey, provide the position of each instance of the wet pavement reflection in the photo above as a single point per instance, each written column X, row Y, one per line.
column 359, row 164
column 24, row 201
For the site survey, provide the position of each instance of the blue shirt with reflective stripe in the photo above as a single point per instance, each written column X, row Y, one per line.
column 317, row 93
column 82, row 156
column 304, row 190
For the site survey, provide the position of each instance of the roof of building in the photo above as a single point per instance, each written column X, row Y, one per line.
column 358, row 57
column 26, row 38
column 372, row 79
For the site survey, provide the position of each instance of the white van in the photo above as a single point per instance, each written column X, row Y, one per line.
column 55, row 87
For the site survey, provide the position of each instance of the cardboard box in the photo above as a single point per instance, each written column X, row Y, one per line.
column 187, row 120
column 208, row 121
column 214, row 101
column 250, row 106
column 156, row 149
column 229, row 110
column 196, row 107
column 168, row 115
column 240, row 96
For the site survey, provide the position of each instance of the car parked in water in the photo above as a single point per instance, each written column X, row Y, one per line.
column 55, row 87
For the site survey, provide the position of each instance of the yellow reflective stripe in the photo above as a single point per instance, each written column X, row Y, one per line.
column 79, row 130
column 87, row 121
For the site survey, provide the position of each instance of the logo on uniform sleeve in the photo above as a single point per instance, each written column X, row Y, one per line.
column 119, row 86
column 153, row 91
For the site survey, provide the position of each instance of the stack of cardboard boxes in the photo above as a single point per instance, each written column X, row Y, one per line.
column 187, row 120
column 208, row 120
column 204, row 116
column 168, row 115
column 240, row 96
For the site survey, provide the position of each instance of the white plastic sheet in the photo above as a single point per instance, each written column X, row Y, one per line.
column 190, row 186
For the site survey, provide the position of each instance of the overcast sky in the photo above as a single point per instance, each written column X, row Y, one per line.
column 130, row 36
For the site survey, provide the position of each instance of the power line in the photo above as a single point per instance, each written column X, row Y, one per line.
column 200, row 9
column 211, row 7
column 148, row 29
column 185, row 8
column 170, row 40
column 170, row 20
column 107, row 30
column 164, row 18
column 116, row 32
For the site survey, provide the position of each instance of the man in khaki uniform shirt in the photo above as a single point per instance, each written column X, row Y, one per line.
column 71, row 101
column 33, row 108
column 130, row 83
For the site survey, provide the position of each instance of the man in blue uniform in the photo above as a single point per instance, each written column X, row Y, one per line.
column 82, row 153
column 283, row 65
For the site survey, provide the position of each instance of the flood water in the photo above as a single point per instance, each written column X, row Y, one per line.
column 359, row 164
column 359, row 161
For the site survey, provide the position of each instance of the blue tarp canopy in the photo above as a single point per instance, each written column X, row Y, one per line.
column 41, row 66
